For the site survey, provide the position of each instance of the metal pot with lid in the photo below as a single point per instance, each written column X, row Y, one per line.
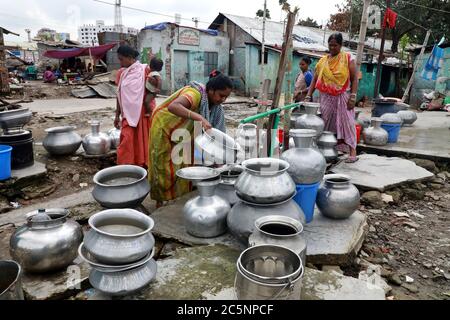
column 22, row 143
column 48, row 242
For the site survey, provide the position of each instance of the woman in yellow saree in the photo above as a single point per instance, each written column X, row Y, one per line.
column 336, row 78
column 195, row 102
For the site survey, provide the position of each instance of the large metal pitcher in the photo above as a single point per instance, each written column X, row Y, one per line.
column 10, row 281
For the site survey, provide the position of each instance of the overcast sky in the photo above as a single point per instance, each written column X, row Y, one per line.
column 66, row 15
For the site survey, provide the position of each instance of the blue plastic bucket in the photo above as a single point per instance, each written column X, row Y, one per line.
column 5, row 162
column 393, row 130
column 306, row 199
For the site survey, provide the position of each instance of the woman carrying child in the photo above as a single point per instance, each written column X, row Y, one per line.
column 133, row 110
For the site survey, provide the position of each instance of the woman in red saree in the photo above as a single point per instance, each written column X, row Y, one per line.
column 131, row 116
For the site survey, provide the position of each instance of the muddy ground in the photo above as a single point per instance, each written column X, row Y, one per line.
column 410, row 240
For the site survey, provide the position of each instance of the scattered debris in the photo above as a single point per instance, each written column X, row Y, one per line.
column 401, row 214
column 387, row 198
column 332, row 268
column 372, row 199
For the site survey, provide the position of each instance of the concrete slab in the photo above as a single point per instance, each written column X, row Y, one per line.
column 36, row 171
column 373, row 172
column 428, row 137
column 59, row 285
column 208, row 273
column 335, row 242
column 169, row 224
column 330, row 242
column 17, row 217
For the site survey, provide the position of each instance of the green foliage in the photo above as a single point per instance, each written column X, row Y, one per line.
column 308, row 22
column 260, row 13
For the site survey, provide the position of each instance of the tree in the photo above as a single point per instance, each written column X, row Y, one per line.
column 308, row 22
column 420, row 18
column 260, row 13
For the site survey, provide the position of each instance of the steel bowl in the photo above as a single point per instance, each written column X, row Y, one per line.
column 15, row 118
column 121, row 187
column 124, row 283
column 119, row 237
column 219, row 147
column 196, row 174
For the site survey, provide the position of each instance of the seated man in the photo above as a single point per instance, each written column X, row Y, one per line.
column 49, row 76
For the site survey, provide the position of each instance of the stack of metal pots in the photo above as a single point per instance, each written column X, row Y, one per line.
column 120, row 249
column 263, row 188
column 12, row 122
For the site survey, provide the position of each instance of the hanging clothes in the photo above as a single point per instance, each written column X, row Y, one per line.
column 434, row 64
column 390, row 19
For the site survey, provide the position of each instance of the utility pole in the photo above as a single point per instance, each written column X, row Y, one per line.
column 416, row 65
column 381, row 56
column 263, row 46
column 262, row 96
column 118, row 16
column 362, row 35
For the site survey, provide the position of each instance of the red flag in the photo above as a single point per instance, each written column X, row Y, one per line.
column 390, row 19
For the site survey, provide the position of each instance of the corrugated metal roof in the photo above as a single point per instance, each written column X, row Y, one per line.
column 305, row 38
column 6, row 31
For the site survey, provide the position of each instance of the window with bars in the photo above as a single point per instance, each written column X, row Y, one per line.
column 211, row 62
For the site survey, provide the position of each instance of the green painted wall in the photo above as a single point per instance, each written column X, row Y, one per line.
column 366, row 86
